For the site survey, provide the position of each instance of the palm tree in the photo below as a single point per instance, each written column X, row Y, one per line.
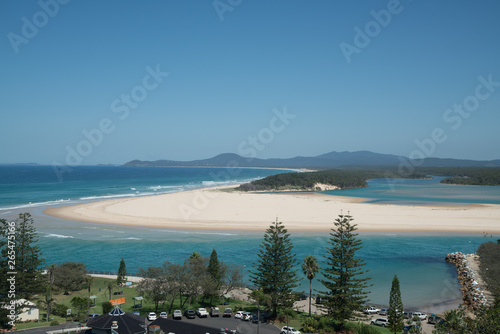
column 48, row 302
column 89, row 280
column 310, row 267
column 50, row 278
column 110, row 287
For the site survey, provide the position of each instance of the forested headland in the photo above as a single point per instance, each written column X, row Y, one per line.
column 358, row 177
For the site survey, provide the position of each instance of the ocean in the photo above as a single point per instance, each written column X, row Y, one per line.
column 427, row 281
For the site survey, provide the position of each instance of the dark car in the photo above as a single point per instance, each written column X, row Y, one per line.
column 255, row 318
column 408, row 328
column 190, row 314
column 227, row 312
column 433, row 319
column 264, row 317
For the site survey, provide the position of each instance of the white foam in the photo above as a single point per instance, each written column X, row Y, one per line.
column 32, row 205
column 156, row 188
column 107, row 196
column 60, row 236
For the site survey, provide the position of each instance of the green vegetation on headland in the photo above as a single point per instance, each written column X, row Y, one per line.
column 475, row 176
column 357, row 178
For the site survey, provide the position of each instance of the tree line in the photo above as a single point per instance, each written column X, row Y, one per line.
column 357, row 177
column 343, row 179
column 198, row 278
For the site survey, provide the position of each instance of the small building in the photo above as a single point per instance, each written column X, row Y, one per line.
column 28, row 311
column 117, row 321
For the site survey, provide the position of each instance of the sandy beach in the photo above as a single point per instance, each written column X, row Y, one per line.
column 220, row 209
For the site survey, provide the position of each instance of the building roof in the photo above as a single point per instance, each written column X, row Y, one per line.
column 127, row 323
column 183, row 327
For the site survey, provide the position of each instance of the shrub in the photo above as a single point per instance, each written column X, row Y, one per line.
column 54, row 323
column 361, row 328
column 106, row 307
column 60, row 310
column 310, row 325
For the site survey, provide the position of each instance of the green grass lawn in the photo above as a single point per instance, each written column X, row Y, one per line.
column 99, row 289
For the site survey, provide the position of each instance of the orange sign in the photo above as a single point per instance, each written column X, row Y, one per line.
column 117, row 301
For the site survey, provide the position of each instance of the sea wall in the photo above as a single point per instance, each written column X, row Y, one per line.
column 473, row 297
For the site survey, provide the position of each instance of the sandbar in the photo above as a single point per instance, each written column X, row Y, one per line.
column 221, row 209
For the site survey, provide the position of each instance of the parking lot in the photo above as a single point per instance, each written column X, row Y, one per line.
column 426, row 328
column 245, row 327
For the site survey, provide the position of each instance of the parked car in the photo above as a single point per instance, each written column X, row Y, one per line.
column 384, row 311
column 163, row 315
column 411, row 328
column 214, row 312
column 420, row 315
column 190, row 314
column 239, row 315
column 247, row 316
column 177, row 314
column 255, row 318
column 227, row 313
column 407, row 315
column 434, row 319
column 289, row 330
column 202, row 313
column 151, row 316
column 371, row 310
column 380, row 322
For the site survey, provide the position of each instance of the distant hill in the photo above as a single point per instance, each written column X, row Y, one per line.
column 324, row 161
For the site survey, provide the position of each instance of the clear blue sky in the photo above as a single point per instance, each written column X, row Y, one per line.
column 231, row 66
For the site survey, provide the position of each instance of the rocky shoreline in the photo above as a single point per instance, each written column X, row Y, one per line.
column 473, row 296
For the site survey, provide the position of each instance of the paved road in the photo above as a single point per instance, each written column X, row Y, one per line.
column 217, row 322
column 44, row 330
column 245, row 327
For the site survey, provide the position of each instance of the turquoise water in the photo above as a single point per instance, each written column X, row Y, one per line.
column 33, row 186
column 420, row 192
column 417, row 259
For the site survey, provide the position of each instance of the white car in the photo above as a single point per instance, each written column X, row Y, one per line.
column 289, row 330
column 177, row 314
column 371, row 310
column 151, row 316
column 247, row 316
column 380, row 322
column 163, row 315
column 202, row 313
column 420, row 315
column 239, row 315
